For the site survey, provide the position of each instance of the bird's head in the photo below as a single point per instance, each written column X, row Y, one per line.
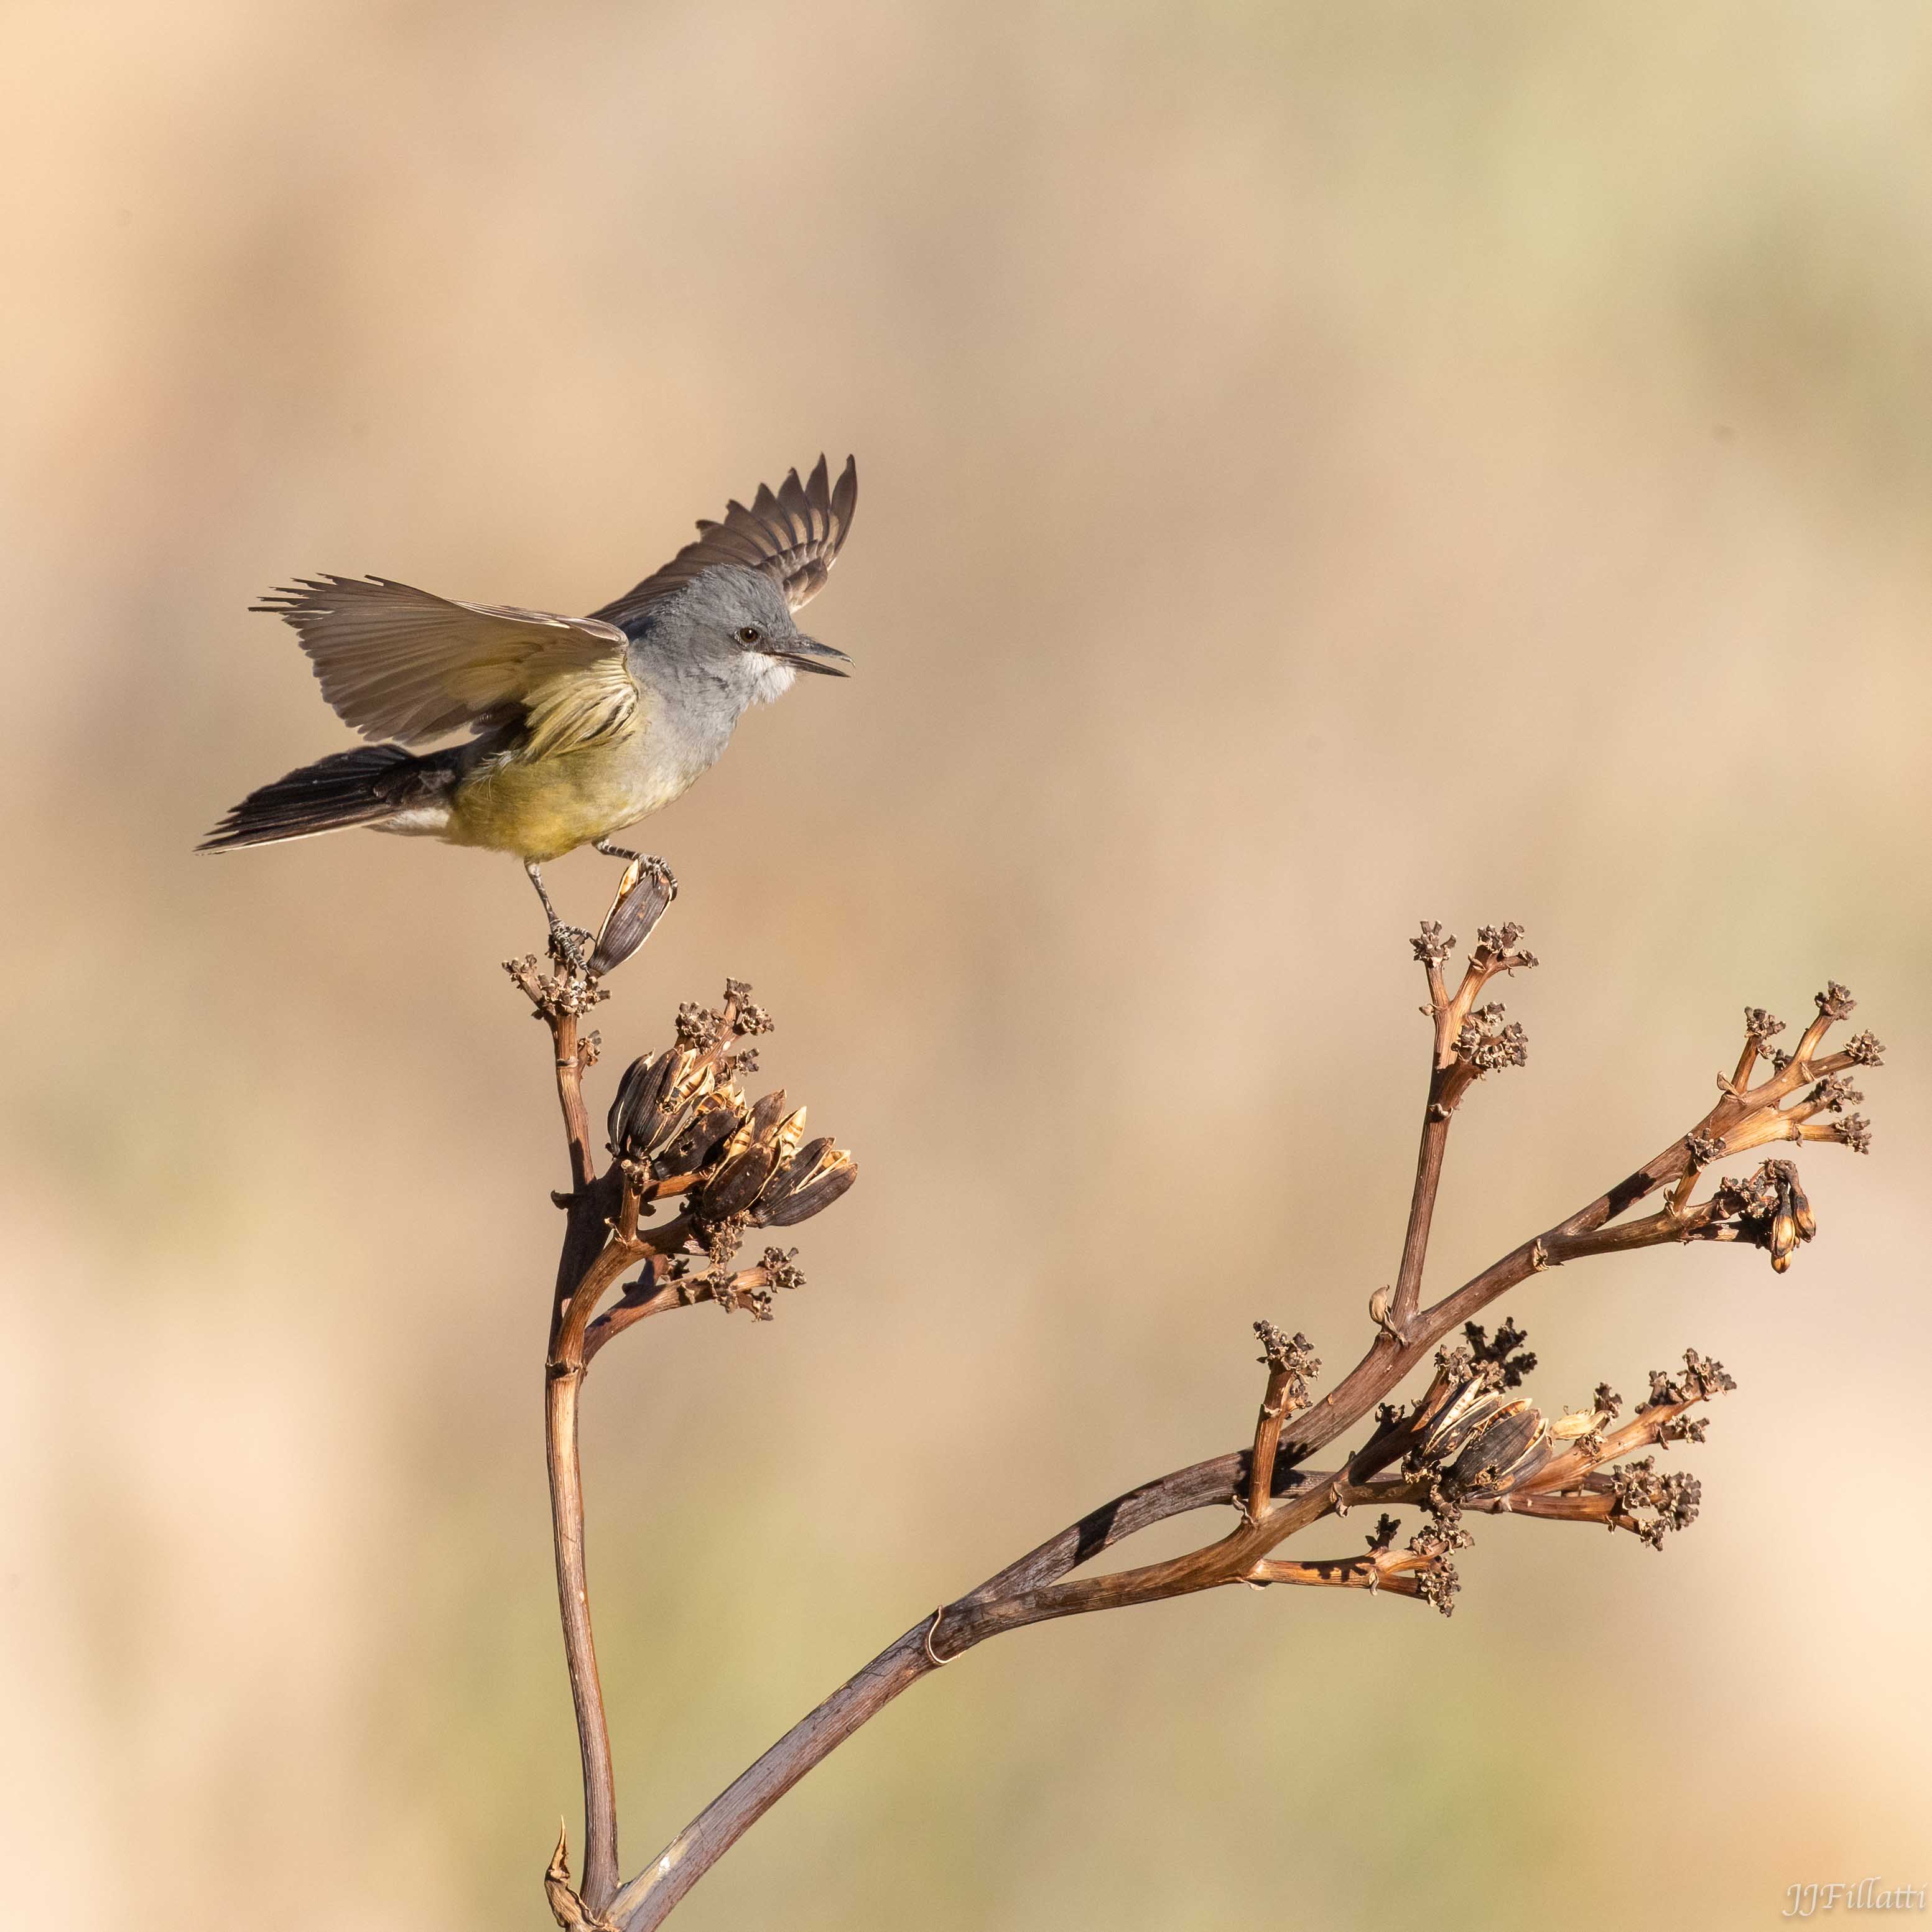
column 731, row 626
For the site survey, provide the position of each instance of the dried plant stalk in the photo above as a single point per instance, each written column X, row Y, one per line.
column 682, row 1131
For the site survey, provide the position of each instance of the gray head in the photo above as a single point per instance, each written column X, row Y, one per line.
column 729, row 628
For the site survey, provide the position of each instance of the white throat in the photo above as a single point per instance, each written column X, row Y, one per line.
column 770, row 677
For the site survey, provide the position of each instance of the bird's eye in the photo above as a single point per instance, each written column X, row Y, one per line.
column 749, row 634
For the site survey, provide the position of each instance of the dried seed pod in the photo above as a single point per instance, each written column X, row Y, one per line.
column 1511, row 1447
column 737, row 1183
column 1783, row 1238
column 809, row 1182
column 712, row 1122
column 693, row 1075
column 643, row 894
column 1585, row 1421
column 1475, row 1402
column 692, row 1079
column 1802, row 1214
column 790, row 1135
column 791, row 1174
column 638, row 1094
column 761, row 1123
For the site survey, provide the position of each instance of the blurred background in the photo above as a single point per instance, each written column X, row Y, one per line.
column 1322, row 467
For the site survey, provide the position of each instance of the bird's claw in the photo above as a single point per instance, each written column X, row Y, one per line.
column 647, row 864
column 571, row 947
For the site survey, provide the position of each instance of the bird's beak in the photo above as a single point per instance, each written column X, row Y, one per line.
column 809, row 654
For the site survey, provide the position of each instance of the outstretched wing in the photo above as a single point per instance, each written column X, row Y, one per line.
column 396, row 662
column 792, row 536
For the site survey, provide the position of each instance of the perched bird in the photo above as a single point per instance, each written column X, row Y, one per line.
column 580, row 725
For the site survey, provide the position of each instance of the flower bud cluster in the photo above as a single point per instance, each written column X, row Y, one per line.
column 1487, row 1042
column 1435, row 1544
column 1654, row 1503
column 1292, row 1358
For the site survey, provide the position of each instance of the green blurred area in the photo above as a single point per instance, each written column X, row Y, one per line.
column 1322, row 467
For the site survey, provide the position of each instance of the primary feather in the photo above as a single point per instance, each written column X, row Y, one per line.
column 792, row 534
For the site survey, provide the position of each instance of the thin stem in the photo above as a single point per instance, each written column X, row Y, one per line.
column 580, row 1649
column 647, row 1900
column 564, row 1370
column 1382, row 1368
column 584, row 1233
column 653, row 1293
column 1336, row 1573
column 570, row 1098
column 650, row 1897
column 1421, row 1210
column 1596, row 1506
column 1448, row 1079
column 1267, row 1436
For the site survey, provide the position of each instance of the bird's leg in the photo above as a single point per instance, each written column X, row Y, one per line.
column 642, row 859
column 536, row 879
column 571, row 942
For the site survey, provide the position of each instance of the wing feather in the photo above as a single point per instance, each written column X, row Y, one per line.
column 397, row 662
column 792, row 534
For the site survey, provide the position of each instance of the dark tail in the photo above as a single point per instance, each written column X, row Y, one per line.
column 359, row 787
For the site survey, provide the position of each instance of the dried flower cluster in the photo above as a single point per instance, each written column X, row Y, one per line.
column 682, row 1128
column 1473, row 1446
column 1471, row 1041
column 681, row 1125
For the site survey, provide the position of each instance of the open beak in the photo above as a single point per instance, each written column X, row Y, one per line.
column 809, row 654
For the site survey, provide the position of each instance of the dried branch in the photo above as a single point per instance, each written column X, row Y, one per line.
column 1470, row 1042
column 1289, row 1365
column 678, row 1129
column 1470, row 1445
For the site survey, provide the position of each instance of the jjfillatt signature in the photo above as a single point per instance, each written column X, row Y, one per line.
column 1868, row 1894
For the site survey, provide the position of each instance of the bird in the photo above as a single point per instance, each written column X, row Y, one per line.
column 579, row 725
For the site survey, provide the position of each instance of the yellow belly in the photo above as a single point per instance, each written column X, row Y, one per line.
column 544, row 809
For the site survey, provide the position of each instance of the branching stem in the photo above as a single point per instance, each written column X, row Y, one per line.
column 1553, row 1472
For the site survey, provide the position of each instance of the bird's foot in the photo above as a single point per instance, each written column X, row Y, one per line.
column 571, row 947
column 645, row 861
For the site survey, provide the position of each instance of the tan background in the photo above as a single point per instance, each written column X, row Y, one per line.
column 1322, row 466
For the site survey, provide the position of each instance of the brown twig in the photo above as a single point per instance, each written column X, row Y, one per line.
column 1451, row 1071
column 559, row 1001
column 1289, row 1364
